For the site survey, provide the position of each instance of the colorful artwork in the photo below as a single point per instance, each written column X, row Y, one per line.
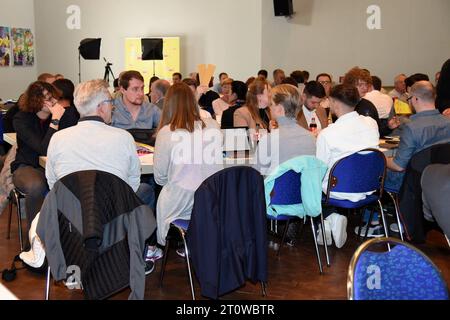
column 23, row 46
column 163, row 68
column 5, row 47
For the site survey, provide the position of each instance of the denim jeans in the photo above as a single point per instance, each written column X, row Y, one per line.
column 393, row 180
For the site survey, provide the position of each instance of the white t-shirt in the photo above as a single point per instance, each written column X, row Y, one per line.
column 381, row 101
column 350, row 133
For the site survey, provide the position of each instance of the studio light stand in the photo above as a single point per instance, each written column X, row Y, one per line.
column 108, row 71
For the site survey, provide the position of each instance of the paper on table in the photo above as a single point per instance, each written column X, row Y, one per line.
column 402, row 108
column 205, row 72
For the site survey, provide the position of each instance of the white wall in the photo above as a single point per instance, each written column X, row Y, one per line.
column 226, row 33
column 332, row 36
column 14, row 80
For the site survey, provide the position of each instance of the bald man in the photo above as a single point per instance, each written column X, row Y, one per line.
column 427, row 128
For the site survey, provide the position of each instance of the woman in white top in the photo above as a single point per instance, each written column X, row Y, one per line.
column 188, row 150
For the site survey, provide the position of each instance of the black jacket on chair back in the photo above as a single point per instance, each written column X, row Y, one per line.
column 94, row 220
column 227, row 234
column 410, row 194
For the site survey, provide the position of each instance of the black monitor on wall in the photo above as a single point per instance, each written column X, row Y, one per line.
column 283, row 7
column 152, row 49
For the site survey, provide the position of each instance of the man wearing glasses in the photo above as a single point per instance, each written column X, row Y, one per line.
column 95, row 145
column 427, row 127
column 325, row 80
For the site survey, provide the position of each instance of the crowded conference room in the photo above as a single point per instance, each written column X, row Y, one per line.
column 260, row 150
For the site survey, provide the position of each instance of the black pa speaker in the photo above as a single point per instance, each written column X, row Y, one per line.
column 90, row 48
column 283, row 7
column 152, row 49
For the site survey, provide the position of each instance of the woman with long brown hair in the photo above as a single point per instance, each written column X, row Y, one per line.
column 35, row 124
column 188, row 150
column 255, row 113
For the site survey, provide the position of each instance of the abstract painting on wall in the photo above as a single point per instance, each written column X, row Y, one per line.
column 5, row 47
column 23, row 46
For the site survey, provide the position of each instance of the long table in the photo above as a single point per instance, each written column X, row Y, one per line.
column 146, row 160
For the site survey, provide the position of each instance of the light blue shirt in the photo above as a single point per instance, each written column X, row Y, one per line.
column 426, row 128
column 148, row 117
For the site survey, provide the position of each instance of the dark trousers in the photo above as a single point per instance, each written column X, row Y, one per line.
column 32, row 182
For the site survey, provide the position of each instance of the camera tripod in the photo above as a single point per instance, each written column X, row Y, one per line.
column 108, row 71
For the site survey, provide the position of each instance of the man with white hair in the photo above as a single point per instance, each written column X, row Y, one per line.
column 94, row 145
column 399, row 90
column 158, row 92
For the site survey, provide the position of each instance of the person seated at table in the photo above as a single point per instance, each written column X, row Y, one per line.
column 131, row 109
column 289, row 139
column 427, row 127
column 111, row 150
column 255, row 113
column 351, row 132
column 238, row 95
column 158, row 92
column 193, row 85
column 188, row 150
column 225, row 101
column 361, row 79
column 35, row 124
column 71, row 115
column 312, row 96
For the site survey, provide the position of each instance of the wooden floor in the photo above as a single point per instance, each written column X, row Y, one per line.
column 293, row 276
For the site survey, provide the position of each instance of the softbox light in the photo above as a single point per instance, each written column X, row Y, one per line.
column 152, row 49
column 90, row 48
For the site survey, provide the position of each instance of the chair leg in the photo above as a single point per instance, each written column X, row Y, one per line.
column 164, row 262
column 397, row 214
column 47, row 286
column 8, row 234
column 283, row 237
column 316, row 245
column 369, row 223
column 19, row 220
column 448, row 241
column 324, row 238
column 386, row 233
column 361, row 222
column 189, row 266
column 263, row 288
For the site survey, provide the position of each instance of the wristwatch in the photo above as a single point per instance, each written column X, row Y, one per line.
column 55, row 122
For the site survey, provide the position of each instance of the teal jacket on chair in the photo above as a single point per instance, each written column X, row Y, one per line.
column 312, row 172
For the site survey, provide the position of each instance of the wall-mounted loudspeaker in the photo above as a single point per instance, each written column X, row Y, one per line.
column 283, row 7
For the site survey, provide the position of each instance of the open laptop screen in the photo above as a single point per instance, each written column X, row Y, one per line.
column 235, row 139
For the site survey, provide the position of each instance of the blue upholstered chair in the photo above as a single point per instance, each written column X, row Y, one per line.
column 403, row 273
column 287, row 191
column 360, row 172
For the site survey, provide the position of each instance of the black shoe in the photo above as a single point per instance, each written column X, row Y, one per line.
column 149, row 267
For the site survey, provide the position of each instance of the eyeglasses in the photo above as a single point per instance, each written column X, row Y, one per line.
column 362, row 84
column 109, row 101
column 409, row 98
column 324, row 82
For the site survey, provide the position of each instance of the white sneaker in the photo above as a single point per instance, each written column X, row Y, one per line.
column 394, row 227
column 153, row 255
column 338, row 229
column 327, row 234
